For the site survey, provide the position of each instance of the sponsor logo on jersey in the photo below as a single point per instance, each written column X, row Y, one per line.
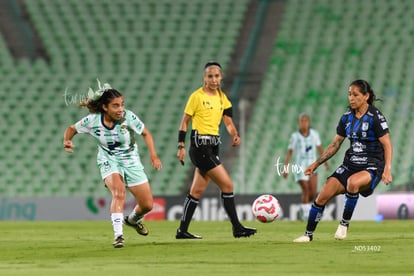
column 365, row 126
column 84, row 122
column 358, row 159
column 124, row 129
column 106, row 166
column 358, row 147
column 140, row 125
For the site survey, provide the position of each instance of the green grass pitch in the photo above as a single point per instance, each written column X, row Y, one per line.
column 85, row 248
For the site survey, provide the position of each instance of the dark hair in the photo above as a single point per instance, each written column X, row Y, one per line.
column 366, row 88
column 212, row 63
column 95, row 106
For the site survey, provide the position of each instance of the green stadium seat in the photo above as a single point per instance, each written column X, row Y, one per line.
column 320, row 48
column 153, row 61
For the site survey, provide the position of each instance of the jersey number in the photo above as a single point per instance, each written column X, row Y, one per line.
column 112, row 146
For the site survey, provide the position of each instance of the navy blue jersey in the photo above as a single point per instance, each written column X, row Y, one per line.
column 365, row 149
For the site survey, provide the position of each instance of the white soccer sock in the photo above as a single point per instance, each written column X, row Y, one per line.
column 116, row 219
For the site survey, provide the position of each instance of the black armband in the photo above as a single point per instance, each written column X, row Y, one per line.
column 228, row 112
column 181, row 136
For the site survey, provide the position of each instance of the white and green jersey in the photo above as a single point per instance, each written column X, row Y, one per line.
column 304, row 148
column 116, row 144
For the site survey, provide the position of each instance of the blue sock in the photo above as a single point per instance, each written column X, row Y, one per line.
column 350, row 203
column 315, row 215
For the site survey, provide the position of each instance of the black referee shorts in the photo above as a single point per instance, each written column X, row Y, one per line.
column 204, row 157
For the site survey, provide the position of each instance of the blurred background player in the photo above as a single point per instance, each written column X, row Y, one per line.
column 366, row 162
column 206, row 108
column 118, row 158
column 303, row 145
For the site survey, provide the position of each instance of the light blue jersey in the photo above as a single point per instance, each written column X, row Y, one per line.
column 116, row 146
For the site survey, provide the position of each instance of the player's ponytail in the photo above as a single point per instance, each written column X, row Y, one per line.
column 102, row 96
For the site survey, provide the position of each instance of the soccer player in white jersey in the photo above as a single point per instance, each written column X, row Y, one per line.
column 118, row 159
column 303, row 144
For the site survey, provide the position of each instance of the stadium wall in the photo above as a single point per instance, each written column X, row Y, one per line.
column 376, row 207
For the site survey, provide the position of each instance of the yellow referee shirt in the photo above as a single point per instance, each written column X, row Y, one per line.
column 206, row 111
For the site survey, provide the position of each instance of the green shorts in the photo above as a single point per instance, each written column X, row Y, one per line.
column 133, row 176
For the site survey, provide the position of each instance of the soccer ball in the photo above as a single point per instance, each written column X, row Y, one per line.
column 266, row 208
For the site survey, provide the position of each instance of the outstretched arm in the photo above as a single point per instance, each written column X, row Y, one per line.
column 326, row 155
column 320, row 150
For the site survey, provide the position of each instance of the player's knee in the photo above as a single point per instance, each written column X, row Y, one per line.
column 352, row 187
column 227, row 187
column 196, row 193
column 321, row 202
column 119, row 193
column 146, row 207
column 322, row 199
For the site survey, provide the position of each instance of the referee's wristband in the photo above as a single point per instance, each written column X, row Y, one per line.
column 181, row 136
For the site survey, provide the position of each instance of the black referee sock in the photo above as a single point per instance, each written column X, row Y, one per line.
column 190, row 204
column 230, row 208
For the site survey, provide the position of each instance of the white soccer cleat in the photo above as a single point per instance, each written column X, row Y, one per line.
column 303, row 238
column 341, row 232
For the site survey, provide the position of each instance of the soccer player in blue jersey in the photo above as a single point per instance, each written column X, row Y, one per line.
column 119, row 162
column 367, row 161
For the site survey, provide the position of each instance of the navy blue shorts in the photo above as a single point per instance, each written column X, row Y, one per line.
column 342, row 173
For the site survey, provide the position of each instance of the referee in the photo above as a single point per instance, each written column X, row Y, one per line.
column 206, row 107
